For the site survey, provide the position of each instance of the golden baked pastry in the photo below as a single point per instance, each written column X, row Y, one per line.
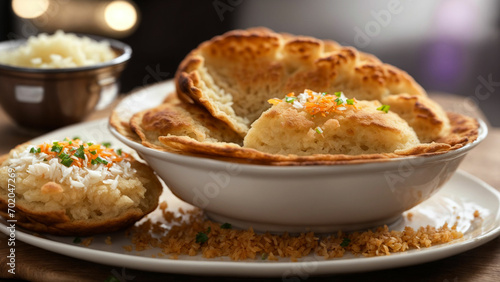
column 225, row 85
column 186, row 121
column 233, row 75
column 327, row 124
column 76, row 188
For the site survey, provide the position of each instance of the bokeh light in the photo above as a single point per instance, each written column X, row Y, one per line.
column 120, row 15
column 30, row 9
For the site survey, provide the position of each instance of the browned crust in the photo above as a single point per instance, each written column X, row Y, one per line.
column 464, row 131
column 58, row 222
column 315, row 64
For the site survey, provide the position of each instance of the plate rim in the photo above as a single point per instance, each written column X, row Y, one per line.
column 311, row 266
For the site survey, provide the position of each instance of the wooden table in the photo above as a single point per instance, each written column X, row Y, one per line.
column 480, row 264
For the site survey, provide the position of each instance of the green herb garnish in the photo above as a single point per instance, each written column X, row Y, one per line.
column 339, row 101
column 56, row 147
column 384, row 108
column 76, row 138
column 99, row 160
column 80, row 152
column 90, row 143
column 119, row 152
column 345, row 242
column 35, row 151
column 350, row 101
column 93, row 152
column 318, row 130
column 338, row 94
column 226, row 226
column 201, row 237
column 106, row 144
column 263, row 256
column 66, row 159
column 290, row 99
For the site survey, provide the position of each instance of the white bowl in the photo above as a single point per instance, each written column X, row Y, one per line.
column 302, row 198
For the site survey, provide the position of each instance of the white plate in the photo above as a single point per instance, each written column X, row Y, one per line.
column 455, row 202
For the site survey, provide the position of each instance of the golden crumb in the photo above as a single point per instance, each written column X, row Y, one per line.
column 409, row 216
column 200, row 236
column 163, row 205
column 476, row 214
column 87, row 241
column 108, row 240
column 128, row 248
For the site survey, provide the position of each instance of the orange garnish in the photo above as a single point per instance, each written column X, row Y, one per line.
column 318, row 103
column 75, row 152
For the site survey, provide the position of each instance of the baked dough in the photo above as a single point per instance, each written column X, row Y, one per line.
column 233, row 76
column 39, row 202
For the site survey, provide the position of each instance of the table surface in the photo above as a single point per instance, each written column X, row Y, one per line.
column 479, row 264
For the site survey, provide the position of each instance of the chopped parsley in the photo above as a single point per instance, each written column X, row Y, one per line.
column 80, row 152
column 339, row 101
column 66, row 159
column 350, row 101
column 318, row 130
column 76, row 138
column 56, row 147
column 118, row 152
column 345, row 242
column 106, row 144
column 338, row 94
column 35, row 151
column 93, row 152
column 99, row 160
column 202, row 237
column 290, row 99
column 226, row 226
column 384, row 108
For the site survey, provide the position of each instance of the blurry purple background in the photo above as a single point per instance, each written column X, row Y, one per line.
column 448, row 46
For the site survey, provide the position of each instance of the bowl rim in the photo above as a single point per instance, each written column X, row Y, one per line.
column 115, row 44
column 379, row 164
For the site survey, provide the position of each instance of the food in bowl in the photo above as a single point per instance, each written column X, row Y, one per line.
column 59, row 50
column 44, row 98
column 277, row 173
column 72, row 187
column 234, row 76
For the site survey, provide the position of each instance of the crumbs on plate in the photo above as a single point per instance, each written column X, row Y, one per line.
column 190, row 233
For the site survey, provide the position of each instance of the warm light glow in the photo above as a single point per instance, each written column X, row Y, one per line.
column 120, row 15
column 30, row 9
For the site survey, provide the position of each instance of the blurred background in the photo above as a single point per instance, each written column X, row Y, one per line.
column 450, row 46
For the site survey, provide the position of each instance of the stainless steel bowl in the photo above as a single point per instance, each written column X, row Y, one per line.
column 45, row 99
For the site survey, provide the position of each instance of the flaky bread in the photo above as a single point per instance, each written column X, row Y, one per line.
column 47, row 216
column 233, row 76
column 285, row 130
column 464, row 131
column 176, row 118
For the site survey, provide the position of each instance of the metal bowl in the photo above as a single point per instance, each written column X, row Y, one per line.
column 45, row 99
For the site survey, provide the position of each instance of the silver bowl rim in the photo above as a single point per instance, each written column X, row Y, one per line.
column 116, row 44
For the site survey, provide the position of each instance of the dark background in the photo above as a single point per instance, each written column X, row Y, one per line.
column 450, row 46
